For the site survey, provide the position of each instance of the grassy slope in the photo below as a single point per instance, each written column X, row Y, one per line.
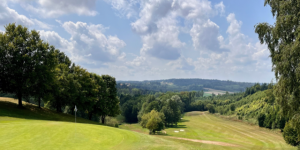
column 33, row 128
column 204, row 126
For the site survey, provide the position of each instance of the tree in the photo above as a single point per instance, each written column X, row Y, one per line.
column 172, row 110
column 211, row 108
column 22, row 54
column 232, row 107
column 154, row 121
column 290, row 134
column 261, row 119
column 110, row 102
column 44, row 72
column 283, row 41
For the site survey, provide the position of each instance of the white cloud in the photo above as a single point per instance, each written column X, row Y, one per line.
column 221, row 8
column 126, row 8
column 8, row 15
column 182, row 63
column 235, row 25
column 56, row 8
column 158, row 25
column 164, row 43
column 88, row 43
column 138, row 61
column 206, row 36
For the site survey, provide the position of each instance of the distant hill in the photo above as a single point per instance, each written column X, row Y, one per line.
column 185, row 85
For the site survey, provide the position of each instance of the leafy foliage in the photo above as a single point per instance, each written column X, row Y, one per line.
column 290, row 134
column 154, row 121
column 26, row 62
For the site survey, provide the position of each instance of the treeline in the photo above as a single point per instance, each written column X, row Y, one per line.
column 186, row 85
column 32, row 69
column 168, row 106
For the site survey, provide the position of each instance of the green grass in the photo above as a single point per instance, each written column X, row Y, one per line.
column 34, row 128
column 205, row 126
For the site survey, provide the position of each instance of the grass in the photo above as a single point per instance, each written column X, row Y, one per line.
column 208, row 127
column 34, row 128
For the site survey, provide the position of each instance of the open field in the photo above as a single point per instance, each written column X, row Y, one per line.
column 207, row 131
column 209, row 91
column 34, row 128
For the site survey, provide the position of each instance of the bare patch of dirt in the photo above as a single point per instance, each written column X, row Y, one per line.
column 207, row 142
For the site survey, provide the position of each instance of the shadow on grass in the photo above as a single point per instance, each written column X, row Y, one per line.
column 32, row 112
column 184, row 120
column 176, row 127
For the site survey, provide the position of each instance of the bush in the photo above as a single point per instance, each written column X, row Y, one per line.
column 290, row 134
column 111, row 121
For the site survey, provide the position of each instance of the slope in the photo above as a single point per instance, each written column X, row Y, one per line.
column 34, row 128
column 207, row 131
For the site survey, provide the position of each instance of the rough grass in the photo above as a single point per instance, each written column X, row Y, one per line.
column 34, row 128
column 207, row 127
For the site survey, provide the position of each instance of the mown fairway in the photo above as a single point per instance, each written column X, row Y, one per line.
column 32, row 128
column 206, row 131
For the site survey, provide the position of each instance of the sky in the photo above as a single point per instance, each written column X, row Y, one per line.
column 152, row 39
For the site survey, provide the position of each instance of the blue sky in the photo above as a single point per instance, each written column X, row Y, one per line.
column 152, row 39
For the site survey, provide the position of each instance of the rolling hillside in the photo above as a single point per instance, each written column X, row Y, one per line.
column 185, row 85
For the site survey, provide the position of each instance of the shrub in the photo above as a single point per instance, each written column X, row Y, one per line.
column 111, row 121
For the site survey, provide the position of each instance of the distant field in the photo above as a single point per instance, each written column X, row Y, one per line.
column 34, row 128
column 209, row 91
column 206, row 131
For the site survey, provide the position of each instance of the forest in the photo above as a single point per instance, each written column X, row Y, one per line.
column 185, row 85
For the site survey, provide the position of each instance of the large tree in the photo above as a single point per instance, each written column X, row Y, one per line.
column 283, row 41
column 22, row 54
column 62, row 89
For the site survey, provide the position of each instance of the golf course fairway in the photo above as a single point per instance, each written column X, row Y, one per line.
column 29, row 128
column 34, row 128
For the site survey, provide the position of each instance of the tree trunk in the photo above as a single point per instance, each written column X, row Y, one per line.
column 103, row 119
column 58, row 108
column 90, row 116
column 20, row 100
column 39, row 99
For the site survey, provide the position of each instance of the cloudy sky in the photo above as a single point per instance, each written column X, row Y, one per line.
column 152, row 39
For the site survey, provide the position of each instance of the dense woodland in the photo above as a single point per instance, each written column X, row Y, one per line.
column 184, row 85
